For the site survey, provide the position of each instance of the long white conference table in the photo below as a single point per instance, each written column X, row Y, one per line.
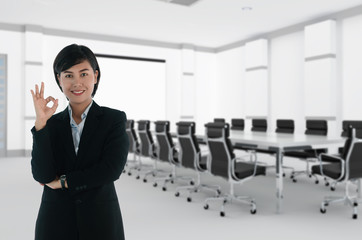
column 281, row 143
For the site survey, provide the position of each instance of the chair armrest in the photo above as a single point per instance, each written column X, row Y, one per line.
column 238, row 159
column 342, row 161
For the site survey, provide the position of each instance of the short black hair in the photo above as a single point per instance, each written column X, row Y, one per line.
column 72, row 55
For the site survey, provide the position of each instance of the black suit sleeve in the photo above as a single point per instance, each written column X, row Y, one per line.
column 113, row 160
column 42, row 162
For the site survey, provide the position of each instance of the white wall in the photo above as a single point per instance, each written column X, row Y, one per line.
column 286, row 80
column 12, row 46
column 352, row 68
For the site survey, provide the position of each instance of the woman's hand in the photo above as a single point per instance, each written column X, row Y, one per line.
column 55, row 184
column 43, row 112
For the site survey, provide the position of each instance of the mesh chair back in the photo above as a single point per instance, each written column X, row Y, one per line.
column 285, row 126
column 220, row 147
column 219, row 120
column 354, row 155
column 145, row 138
column 132, row 137
column 355, row 124
column 188, row 144
column 316, row 127
column 164, row 139
column 259, row 125
column 237, row 124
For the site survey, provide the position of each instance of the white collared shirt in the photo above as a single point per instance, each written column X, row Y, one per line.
column 77, row 129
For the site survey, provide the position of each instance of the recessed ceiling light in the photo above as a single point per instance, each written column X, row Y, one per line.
column 246, row 8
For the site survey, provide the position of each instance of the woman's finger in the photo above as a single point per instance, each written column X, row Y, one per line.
column 55, row 105
column 36, row 90
column 50, row 98
column 42, row 90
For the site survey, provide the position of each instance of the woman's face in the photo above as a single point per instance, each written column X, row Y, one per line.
column 78, row 82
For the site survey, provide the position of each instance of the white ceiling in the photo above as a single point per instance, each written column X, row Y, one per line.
column 207, row 23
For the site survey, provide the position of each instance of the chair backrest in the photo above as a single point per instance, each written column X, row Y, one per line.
column 189, row 147
column 285, row 126
column 355, row 124
column 132, row 137
column 237, row 124
column 219, row 120
column 353, row 151
column 316, row 127
column 164, row 139
column 146, row 145
column 220, row 148
column 259, row 125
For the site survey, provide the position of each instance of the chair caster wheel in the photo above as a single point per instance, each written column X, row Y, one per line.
column 284, row 175
column 170, row 175
column 192, row 183
column 222, row 214
column 129, row 173
column 294, row 180
column 218, row 192
column 153, row 175
column 327, row 184
column 144, row 180
column 206, row 206
column 354, row 216
column 316, row 181
column 189, row 199
column 333, row 188
column 323, row 210
column 155, row 184
column 177, row 194
column 164, row 189
column 253, row 211
column 138, row 177
column 124, row 171
column 355, row 204
column 172, row 182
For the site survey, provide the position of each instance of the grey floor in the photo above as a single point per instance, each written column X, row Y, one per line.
column 150, row 213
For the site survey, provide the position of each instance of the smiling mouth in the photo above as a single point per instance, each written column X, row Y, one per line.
column 77, row 93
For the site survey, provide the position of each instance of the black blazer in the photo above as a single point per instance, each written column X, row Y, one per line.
column 89, row 208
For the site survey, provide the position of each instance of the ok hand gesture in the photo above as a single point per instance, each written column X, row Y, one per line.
column 43, row 112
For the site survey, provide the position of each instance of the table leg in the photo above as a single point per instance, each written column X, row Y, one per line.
column 279, row 181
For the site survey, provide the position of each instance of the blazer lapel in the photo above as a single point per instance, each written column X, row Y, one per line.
column 90, row 127
column 67, row 131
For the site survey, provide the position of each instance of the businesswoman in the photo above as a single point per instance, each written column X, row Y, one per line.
column 78, row 154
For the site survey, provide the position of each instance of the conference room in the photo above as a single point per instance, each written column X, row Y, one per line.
column 241, row 114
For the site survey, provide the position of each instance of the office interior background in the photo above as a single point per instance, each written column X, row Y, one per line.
column 161, row 60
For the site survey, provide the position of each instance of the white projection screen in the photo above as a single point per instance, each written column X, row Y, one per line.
column 137, row 87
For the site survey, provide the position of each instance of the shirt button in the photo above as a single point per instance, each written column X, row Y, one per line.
column 78, row 201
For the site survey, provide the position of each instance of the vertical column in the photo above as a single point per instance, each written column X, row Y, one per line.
column 256, row 79
column 33, row 74
column 188, row 84
column 320, row 70
column 3, row 103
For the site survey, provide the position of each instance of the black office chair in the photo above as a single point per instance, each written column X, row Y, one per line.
column 167, row 153
column 133, row 148
column 314, row 127
column 191, row 157
column 219, row 120
column 224, row 164
column 259, row 125
column 285, row 126
column 147, row 146
column 346, row 169
column 237, row 124
column 346, row 124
